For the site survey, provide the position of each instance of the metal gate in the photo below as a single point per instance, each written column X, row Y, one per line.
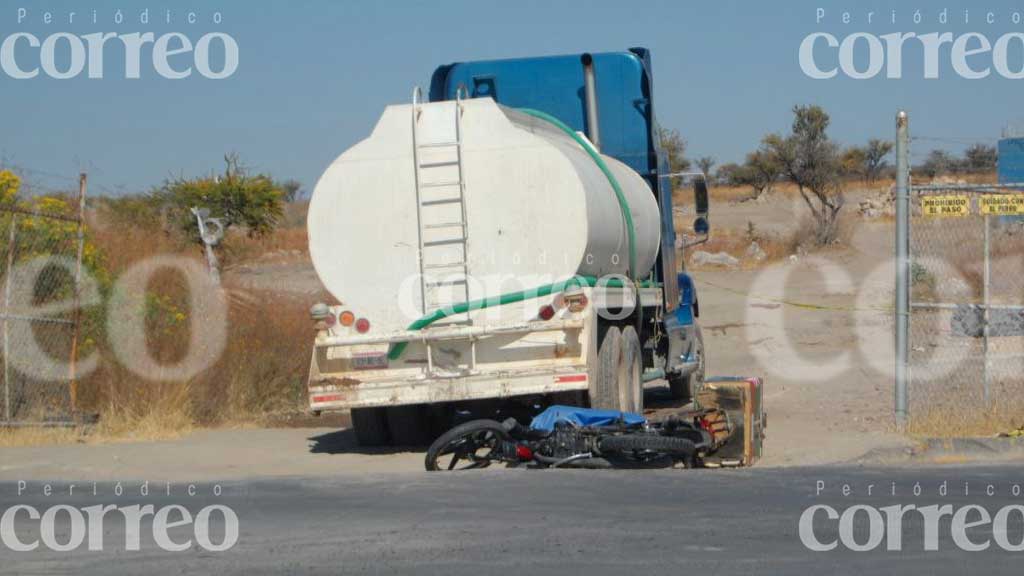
column 960, row 295
column 41, row 245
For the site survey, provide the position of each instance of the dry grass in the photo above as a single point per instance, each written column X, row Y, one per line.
column 262, row 369
column 22, row 437
column 736, row 242
column 239, row 248
column 955, row 416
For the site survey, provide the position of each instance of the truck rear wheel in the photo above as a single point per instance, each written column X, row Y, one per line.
column 408, row 425
column 370, row 426
column 604, row 389
column 631, row 386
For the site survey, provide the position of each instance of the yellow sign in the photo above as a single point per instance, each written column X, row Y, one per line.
column 1002, row 204
column 945, row 205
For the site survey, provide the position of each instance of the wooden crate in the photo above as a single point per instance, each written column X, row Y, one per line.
column 742, row 399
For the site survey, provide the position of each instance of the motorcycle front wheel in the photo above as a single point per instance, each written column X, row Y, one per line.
column 475, row 444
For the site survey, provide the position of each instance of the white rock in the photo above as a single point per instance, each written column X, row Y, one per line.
column 754, row 251
column 702, row 258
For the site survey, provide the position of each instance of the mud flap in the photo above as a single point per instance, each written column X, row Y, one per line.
column 741, row 398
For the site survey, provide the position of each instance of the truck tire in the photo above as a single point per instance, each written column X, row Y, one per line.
column 408, row 425
column 370, row 426
column 685, row 387
column 604, row 390
column 439, row 419
column 631, row 385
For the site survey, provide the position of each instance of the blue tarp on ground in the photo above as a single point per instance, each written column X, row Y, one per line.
column 577, row 416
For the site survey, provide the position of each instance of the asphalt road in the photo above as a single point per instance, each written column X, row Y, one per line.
column 528, row 521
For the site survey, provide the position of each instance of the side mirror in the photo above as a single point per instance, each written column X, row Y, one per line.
column 700, row 197
column 701, row 226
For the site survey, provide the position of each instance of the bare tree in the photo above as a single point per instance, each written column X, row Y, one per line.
column 674, row 147
column 874, row 158
column 937, row 163
column 292, row 190
column 809, row 159
column 762, row 170
column 981, row 158
column 705, row 164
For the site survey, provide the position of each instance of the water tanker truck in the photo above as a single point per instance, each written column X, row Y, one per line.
column 507, row 236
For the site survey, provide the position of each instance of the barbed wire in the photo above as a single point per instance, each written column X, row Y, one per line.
column 40, row 185
column 964, row 140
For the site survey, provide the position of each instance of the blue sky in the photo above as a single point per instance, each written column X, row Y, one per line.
column 313, row 77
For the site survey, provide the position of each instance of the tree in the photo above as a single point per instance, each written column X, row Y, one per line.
column 705, row 164
column 674, row 147
column 236, row 197
column 729, row 174
column 981, row 158
column 853, row 162
column 809, row 159
column 760, row 171
column 9, row 184
column 874, row 158
column 292, row 190
column 938, row 162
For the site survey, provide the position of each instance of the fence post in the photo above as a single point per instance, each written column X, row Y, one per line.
column 72, row 365
column 985, row 315
column 7, row 312
column 902, row 264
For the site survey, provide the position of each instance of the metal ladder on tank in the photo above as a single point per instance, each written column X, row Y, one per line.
column 439, row 234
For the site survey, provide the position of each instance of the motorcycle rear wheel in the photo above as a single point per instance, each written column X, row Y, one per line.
column 682, row 448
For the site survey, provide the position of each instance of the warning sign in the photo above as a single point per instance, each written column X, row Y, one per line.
column 946, row 205
column 1002, row 204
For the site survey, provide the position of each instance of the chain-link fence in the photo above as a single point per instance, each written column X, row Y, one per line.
column 40, row 260
column 966, row 297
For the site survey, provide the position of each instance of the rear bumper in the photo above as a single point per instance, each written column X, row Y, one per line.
column 451, row 364
column 340, row 394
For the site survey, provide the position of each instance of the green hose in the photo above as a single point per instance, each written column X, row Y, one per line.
column 627, row 214
column 398, row 348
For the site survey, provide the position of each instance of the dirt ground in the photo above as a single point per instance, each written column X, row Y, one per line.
column 817, row 327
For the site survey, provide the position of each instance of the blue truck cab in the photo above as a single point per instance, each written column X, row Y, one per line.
column 624, row 114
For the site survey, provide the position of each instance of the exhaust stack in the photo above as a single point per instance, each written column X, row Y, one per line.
column 590, row 98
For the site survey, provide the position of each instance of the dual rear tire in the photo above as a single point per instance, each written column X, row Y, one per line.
column 618, row 382
column 413, row 425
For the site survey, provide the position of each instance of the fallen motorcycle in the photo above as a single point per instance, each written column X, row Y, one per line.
column 572, row 437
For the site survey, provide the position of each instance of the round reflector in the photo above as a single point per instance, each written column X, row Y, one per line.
column 347, row 318
column 362, row 325
column 547, row 312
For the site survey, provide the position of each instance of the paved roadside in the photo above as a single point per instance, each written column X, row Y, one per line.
column 541, row 522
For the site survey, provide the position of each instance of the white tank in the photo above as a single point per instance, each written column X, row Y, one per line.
column 536, row 209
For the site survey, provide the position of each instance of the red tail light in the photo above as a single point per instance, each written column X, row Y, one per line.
column 547, row 312
column 362, row 325
column 524, row 452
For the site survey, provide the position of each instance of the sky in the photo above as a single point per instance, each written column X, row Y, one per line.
column 314, row 76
